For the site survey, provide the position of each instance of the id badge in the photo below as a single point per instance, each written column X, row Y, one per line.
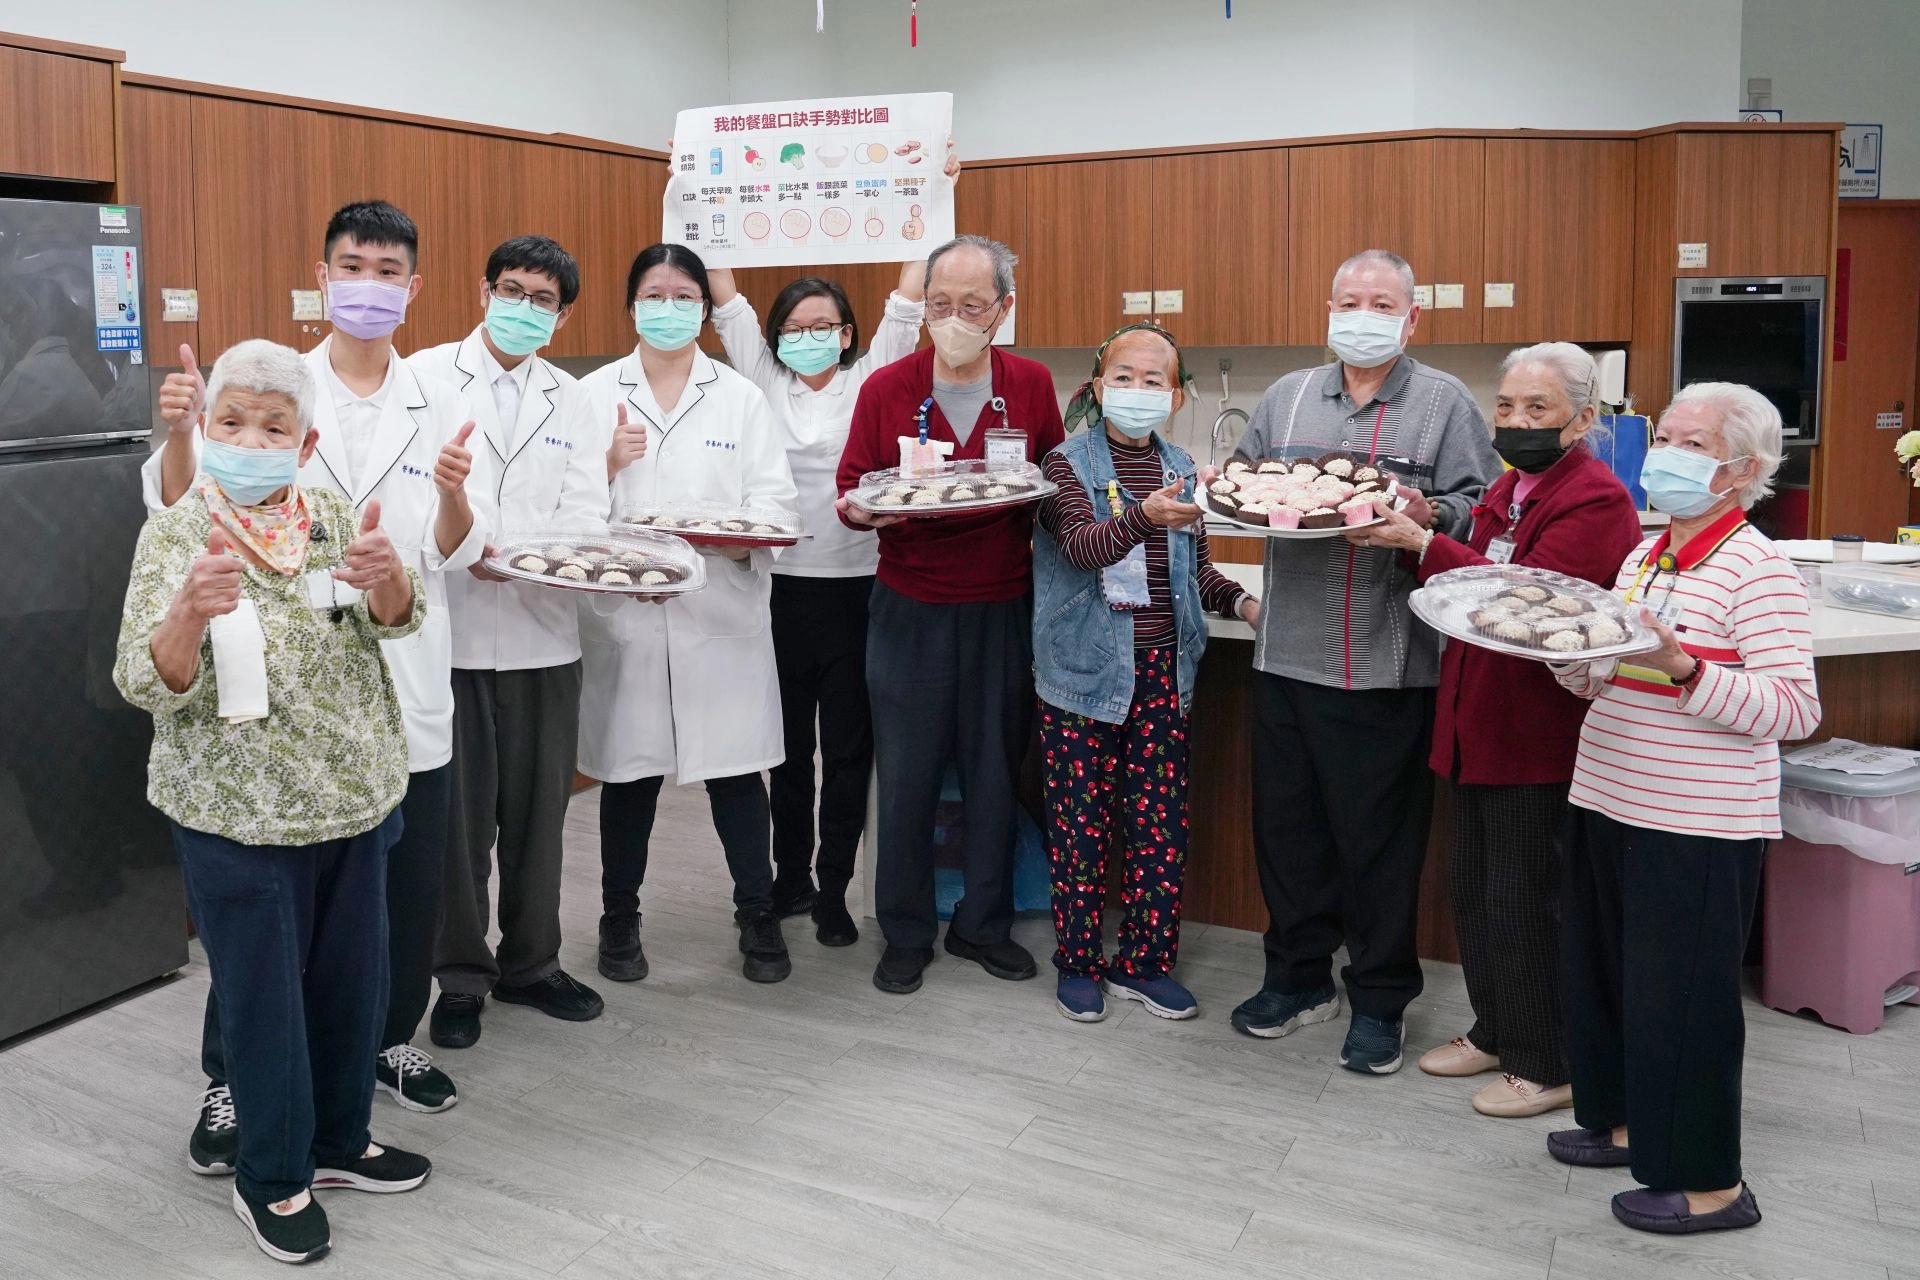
column 1006, row 447
column 1125, row 584
column 1500, row 550
column 326, row 593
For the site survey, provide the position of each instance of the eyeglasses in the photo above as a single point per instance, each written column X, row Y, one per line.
column 508, row 291
column 822, row 330
column 972, row 312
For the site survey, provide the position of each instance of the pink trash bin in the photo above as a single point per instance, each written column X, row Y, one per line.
column 1841, row 929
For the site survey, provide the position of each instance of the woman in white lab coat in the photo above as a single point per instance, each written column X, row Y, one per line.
column 808, row 361
column 686, row 687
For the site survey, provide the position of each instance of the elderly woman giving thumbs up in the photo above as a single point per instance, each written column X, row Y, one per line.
column 252, row 635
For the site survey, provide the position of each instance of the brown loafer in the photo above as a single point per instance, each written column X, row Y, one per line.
column 1510, row 1097
column 1457, row 1057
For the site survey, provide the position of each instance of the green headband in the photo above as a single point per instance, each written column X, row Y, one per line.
column 1083, row 409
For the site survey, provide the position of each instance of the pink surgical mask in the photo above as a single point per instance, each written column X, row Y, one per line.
column 366, row 308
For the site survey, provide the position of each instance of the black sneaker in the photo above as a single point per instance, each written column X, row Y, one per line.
column 415, row 1083
column 216, row 1135
column 900, row 968
column 1374, row 1045
column 455, row 1023
column 1270, row 1013
column 557, row 995
column 793, row 897
column 621, row 959
column 1007, row 959
column 286, row 1237
column 832, row 925
column 391, row 1171
column 765, row 950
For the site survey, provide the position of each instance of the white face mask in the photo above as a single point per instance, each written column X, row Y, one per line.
column 1365, row 339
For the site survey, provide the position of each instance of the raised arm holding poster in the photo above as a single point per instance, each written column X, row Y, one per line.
column 829, row 181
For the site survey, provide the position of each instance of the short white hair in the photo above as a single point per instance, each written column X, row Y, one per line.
column 1004, row 260
column 267, row 368
column 1367, row 257
column 1750, row 427
column 1571, row 366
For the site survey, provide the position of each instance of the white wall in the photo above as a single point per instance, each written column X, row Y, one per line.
column 1847, row 60
column 1034, row 77
column 611, row 69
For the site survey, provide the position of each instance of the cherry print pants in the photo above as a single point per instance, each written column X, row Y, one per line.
column 1121, row 786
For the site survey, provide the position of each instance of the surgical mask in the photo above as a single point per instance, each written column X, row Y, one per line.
column 517, row 327
column 667, row 324
column 1136, row 411
column 958, row 342
column 365, row 309
column 805, row 354
column 249, row 476
column 1680, row 481
column 1365, row 339
column 1529, row 449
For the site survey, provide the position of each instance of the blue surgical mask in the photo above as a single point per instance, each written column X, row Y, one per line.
column 517, row 327
column 805, row 354
column 1136, row 411
column 1680, row 481
column 667, row 324
column 249, row 476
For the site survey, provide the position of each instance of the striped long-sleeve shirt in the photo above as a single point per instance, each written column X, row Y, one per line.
column 1704, row 760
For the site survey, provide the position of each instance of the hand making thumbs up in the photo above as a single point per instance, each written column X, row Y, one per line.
column 213, row 581
column 183, row 396
column 371, row 558
column 455, row 463
column 629, row 443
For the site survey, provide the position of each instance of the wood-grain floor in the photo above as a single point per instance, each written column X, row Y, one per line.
column 708, row 1127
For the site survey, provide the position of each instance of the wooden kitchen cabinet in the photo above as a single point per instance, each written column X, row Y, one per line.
column 1422, row 198
column 1202, row 205
column 1762, row 203
column 56, row 111
column 1559, row 228
column 159, row 177
column 1089, row 238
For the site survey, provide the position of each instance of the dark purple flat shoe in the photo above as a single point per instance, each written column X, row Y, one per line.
column 1666, row 1213
column 1590, row 1148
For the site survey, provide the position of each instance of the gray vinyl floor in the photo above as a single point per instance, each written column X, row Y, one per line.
column 707, row 1127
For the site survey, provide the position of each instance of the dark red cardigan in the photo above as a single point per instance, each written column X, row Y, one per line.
column 1503, row 720
column 952, row 559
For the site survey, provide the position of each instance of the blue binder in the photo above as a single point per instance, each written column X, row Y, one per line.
column 1624, row 449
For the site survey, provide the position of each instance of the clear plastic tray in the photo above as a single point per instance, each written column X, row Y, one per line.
column 879, row 490
column 1285, row 487
column 716, row 524
column 1461, row 604
column 638, row 551
column 1869, row 589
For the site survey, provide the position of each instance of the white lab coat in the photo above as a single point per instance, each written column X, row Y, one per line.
column 421, row 414
column 552, row 479
column 688, row 687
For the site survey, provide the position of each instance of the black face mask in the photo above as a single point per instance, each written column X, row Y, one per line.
column 1530, row 449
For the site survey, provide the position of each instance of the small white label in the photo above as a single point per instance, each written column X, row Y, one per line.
column 324, row 591
column 1136, row 302
column 1423, row 296
column 1169, row 302
column 112, row 216
column 1006, row 447
column 1500, row 550
column 1498, row 295
column 306, row 304
column 1692, row 255
column 179, row 304
column 1449, row 297
column 1889, row 421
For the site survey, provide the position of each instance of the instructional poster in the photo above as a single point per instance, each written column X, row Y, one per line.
column 835, row 180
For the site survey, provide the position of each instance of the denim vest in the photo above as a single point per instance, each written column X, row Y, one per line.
column 1082, row 647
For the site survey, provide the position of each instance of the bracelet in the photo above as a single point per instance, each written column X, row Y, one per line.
column 1693, row 676
column 1426, row 540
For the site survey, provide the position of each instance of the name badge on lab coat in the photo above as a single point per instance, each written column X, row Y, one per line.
column 1500, row 550
column 1006, row 447
column 325, row 592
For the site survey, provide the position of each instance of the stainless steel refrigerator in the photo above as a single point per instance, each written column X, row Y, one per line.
column 90, row 896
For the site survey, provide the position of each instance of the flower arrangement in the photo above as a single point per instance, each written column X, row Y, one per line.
column 1907, row 450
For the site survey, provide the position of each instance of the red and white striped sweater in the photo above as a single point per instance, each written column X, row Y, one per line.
column 1706, row 760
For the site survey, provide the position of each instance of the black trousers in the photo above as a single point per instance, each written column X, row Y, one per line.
column 1654, row 936
column 950, row 683
column 413, row 878
column 820, row 648
column 739, row 805
column 1341, row 801
column 1506, row 910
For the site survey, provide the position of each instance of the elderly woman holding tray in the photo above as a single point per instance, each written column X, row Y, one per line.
column 1505, row 732
column 280, row 758
column 1121, row 579
column 1676, row 791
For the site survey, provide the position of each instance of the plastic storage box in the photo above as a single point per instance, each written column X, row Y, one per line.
column 1843, row 926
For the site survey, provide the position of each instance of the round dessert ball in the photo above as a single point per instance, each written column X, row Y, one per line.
column 1321, row 518
column 572, row 571
column 1306, row 471
column 891, row 499
column 962, row 493
column 654, row 578
column 1604, row 632
column 924, row 498
column 1531, row 594
column 1365, row 472
column 1337, row 466
column 1567, row 606
column 1222, row 485
column 996, row 491
column 531, row 563
column 1272, row 467
column 1513, row 631
column 615, row 577
column 1511, row 603
column 1237, row 465
column 1570, row 641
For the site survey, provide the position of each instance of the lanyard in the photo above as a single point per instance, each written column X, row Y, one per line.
column 926, row 407
column 1664, row 560
column 1113, row 498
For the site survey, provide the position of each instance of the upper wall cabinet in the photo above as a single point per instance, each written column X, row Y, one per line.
column 1762, row 203
column 56, row 115
column 1559, row 229
column 1089, row 239
column 1220, row 247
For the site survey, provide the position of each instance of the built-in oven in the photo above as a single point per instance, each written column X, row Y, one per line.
column 1764, row 331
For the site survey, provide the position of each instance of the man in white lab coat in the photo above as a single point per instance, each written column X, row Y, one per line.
column 389, row 434
column 516, row 650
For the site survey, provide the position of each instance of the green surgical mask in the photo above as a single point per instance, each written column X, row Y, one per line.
column 667, row 324
column 805, row 354
column 518, row 327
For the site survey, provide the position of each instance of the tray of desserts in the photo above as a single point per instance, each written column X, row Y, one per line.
column 634, row 562
column 717, row 524
column 1300, row 497
column 958, row 488
column 1532, row 613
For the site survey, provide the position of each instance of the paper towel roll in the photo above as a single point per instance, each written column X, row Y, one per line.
column 240, row 663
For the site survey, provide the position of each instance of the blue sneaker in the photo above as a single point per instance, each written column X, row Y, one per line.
column 1163, row 997
column 1373, row 1045
column 1079, row 998
column 1272, row 1014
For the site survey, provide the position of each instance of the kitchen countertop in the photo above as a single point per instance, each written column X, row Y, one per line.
column 1836, row 632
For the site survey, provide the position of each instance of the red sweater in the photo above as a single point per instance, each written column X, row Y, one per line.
column 1505, row 720
column 952, row 559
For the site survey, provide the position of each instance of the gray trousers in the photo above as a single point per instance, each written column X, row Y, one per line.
column 515, row 734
